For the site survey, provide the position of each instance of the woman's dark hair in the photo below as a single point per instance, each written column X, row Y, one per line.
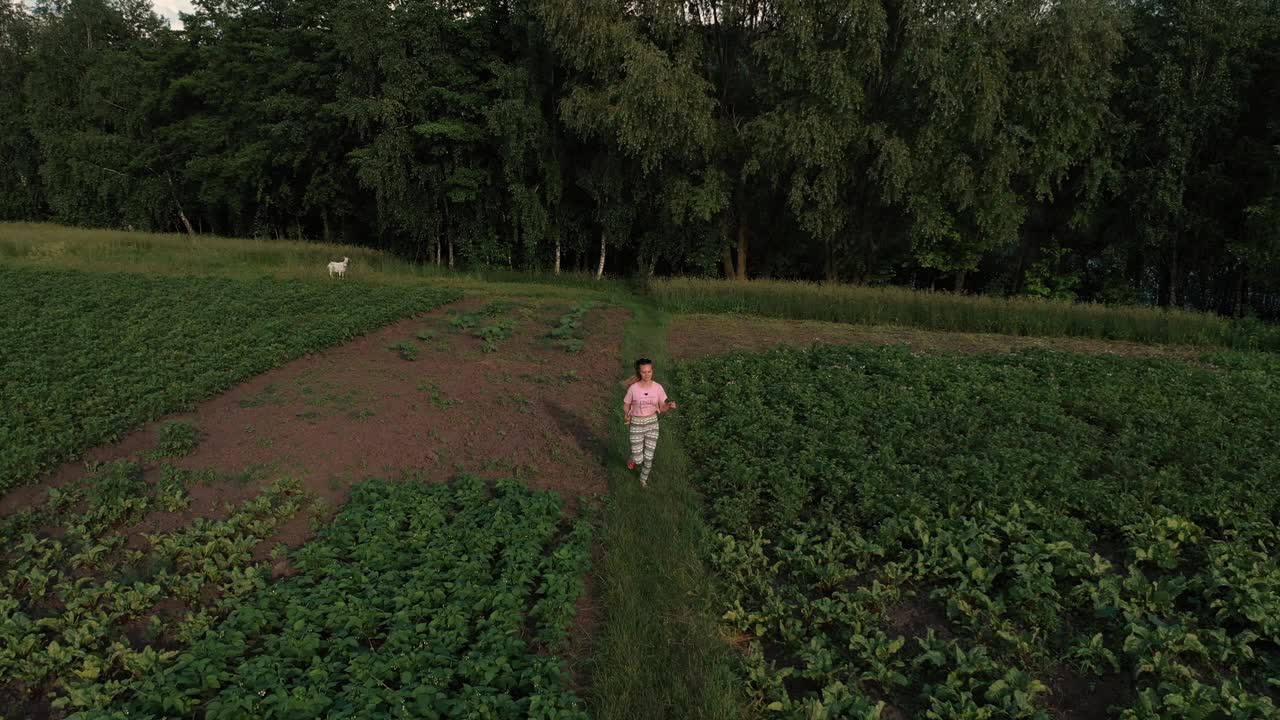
column 641, row 362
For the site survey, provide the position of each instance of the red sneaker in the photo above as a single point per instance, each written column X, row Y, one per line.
column 631, row 464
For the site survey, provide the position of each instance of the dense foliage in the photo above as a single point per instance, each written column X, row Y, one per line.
column 436, row 601
column 78, row 606
column 418, row 601
column 1020, row 536
column 1120, row 150
column 89, row 356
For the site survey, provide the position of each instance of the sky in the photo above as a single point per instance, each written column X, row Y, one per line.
column 169, row 9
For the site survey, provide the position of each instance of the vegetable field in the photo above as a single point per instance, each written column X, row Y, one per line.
column 1032, row 535
column 418, row 601
column 86, row 611
column 90, row 355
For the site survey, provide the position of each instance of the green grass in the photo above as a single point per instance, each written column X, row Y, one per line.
column 960, row 313
column 56, row 246
column 90, row 356
column 657, row 654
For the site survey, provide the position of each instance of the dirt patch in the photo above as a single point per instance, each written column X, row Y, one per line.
column 695, row 336
column 361, row 410
column 1073, row 697
column 915, row 618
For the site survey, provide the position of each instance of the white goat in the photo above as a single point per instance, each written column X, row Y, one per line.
column 338, row 267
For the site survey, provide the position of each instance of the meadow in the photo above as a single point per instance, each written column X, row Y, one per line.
column 870, row 305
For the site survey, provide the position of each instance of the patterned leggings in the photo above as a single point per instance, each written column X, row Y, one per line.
column 644, row 440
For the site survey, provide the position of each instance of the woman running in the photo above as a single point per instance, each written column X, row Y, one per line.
column 645, row 399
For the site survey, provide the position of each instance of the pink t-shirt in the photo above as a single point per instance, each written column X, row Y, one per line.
column 645, row 401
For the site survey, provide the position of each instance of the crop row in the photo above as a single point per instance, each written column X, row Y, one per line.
column 79, row 604
column 1024, row 536
column 417, row 601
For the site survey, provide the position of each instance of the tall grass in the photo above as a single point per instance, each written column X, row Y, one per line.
column 961, row 313
column 59, row 246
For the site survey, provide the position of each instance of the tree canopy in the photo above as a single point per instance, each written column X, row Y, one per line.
column 1114, row 150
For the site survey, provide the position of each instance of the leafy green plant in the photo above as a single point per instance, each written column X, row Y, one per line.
column 70, row 596
column 436, row 395
column 406, row 350
column 1007, row 516
column 568, row 333
column 171, row 491
column 450, row 600
column 176, row 438
column 102, row 353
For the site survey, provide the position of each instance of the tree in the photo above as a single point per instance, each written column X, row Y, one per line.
column 637, row 90
column 87, row 98
column 21, row 196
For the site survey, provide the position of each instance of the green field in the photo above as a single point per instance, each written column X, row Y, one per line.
column 439, row 601
column 994, row 536
column 832, row 532
column 418, row 601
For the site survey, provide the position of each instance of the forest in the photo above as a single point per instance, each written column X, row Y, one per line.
column 1116, row 151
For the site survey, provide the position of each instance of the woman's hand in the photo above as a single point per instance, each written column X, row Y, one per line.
column 671, row 405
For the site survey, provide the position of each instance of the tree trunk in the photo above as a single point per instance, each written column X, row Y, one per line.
column 829, row 262
column 173, row 191
column 1173, row 277
column 328, row 232
column 726, row 250
column 959, row 281
column 439, row 250
column 726, row 258
column 742, row 253
column 1237, row 299
column 1019, row 270
column 557, row 253
column 600, row 267
column 450, row 253
column 869, row 259
column 191, row 233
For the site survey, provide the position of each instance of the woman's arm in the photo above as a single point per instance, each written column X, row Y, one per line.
column 626, row 410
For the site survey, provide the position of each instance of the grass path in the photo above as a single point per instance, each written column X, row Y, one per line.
column 658, row 653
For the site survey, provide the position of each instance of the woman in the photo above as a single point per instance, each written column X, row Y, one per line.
column 645, row 399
